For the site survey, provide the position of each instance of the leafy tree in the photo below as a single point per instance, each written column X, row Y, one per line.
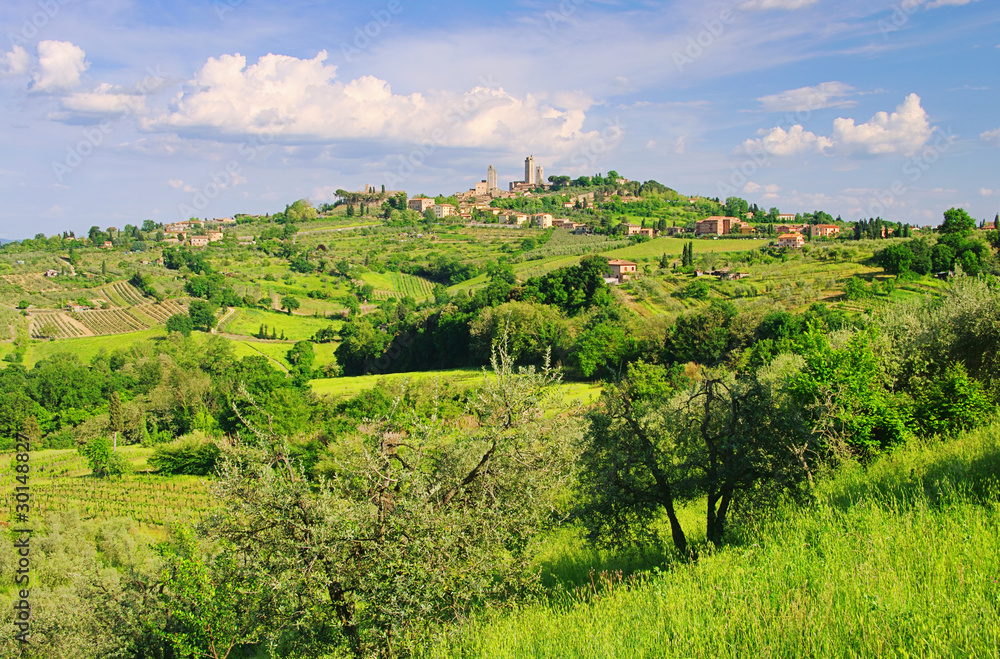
column 409, row 522
column 290, row 303
column 649, row 448
column 210, row 605
column 845, row 396
column 856, row 289
column 105, row 462
column 192, row 456
column 181, row 323
column 705, row 338
column 958, row 222
column 895, row 259
column 202, row 315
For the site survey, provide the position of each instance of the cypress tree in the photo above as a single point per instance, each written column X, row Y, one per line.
column 116, row 423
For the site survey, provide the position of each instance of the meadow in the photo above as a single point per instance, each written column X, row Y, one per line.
column 900, row 558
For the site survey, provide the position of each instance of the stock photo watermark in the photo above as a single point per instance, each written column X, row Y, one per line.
column 365, row 36
column 93, row 137
column 32, row 25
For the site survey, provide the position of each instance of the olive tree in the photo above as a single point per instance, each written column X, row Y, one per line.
column 406, row 522
column 652, row 445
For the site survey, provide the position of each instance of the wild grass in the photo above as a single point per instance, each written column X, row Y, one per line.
column 247, row 322
column 901, row 559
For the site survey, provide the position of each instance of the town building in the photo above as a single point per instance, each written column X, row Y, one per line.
column 529, row 170
column 491, row 179
column 824, row 230
column 199, row 241
column 444, row 210
column 420, row 204
column 718, row 225
column 622, row 270
column 215, row 236
column 792, row 240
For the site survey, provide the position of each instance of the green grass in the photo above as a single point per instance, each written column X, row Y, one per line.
column 351, row 386
column 88, row 346
column 247, row 322
column 899, row 560
column 673, row 247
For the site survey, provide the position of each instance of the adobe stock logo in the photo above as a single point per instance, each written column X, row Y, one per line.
column 364, row 36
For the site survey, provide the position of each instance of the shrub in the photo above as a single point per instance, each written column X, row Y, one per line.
column 191, row 455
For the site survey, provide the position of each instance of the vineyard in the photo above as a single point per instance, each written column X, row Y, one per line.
column 109, row 321
column 56, row 326
column 60, row 481
column 123, row 294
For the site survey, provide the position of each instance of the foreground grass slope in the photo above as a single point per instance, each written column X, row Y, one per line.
column 898, row 560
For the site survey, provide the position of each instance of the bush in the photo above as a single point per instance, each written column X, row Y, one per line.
column 191, row 455
column 103, row 461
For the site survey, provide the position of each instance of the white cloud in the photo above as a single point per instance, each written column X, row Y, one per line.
column 776, row 4
column 106, row 99
column 823, row 95
column 991, row 137
column 287, row 97
column 176, row 183
column 60, row 64
column 904, row 131
column 948, row 3
column 754, row 188
column 14, row 63
column 780, row 142
column 986, row 192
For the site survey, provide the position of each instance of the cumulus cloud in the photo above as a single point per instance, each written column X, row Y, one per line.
column 823, row 95
column 781, row 142
column 776, row 4
column 770, row 191
column 14, row 63
column 904, row 131
column 301, row 99
column 60, row 64
column 991, row 137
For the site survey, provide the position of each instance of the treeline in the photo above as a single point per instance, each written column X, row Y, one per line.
column 957, row 246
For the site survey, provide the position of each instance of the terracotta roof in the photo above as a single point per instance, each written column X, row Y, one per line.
column 621, row 262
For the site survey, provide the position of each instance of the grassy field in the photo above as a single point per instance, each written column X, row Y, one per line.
column 899, row 560
column 656, row 248
column 247, row 322
column 86, row 347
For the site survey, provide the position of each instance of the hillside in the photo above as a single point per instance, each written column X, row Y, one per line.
column 897, row 559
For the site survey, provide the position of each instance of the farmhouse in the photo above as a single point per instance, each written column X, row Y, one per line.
column 420, row 204
column 793, row 240
column 51, row 273
column 622, row 270
column 543, row 220
column 824, row 230
column 214, row 236
column 199, row 241
column 444, row 210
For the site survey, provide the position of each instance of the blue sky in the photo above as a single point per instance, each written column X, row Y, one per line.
column 117, row 111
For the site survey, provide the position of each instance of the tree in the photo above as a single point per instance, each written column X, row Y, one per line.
column 181, row 323
column 855, row 289
column 650, row 447
column 407, row 522
column 103, row 460
column 116, row 423
column 289, row 303
column 202, row 315
column 957, row 221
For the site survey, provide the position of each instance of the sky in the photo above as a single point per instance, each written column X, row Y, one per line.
column 118, row 111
